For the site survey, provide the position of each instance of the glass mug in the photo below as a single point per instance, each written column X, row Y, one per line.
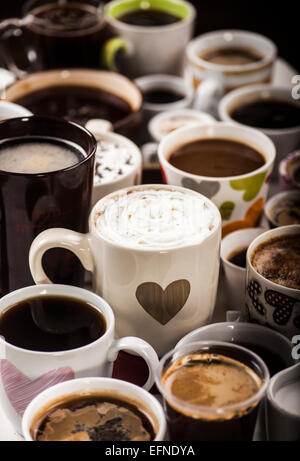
column 55, row 36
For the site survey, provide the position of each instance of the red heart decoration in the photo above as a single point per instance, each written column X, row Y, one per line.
column 20, row 389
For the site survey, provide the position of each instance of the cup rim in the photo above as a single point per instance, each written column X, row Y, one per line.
column 162, row 151
column 194, row 58
column 146, row 250
column 201, row 117
column 272, row 202
column 204, row 410
column 143, row 396
column 55, row 290
column 235, row 325
column 234, row 97
column 283, row 231
column 51, row 120
column 225, row 261
column 283, row 172
column 152, row 29
column 19, row 111
column 133, row 147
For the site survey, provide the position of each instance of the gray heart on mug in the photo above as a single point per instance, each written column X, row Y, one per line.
column 207, row 188
column 161, row 304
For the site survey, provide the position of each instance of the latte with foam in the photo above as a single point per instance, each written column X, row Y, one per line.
column 156, row 217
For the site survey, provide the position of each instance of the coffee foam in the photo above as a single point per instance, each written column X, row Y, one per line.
column 156, row 218
column 210, row 380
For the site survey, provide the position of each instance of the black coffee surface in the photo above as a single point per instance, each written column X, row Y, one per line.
column 296, row 175
column 149, row 17
column 94, row 418
column 216, row 158
column 161, row 96
column 269, row 114
column 67, row 35
column 272, row 359
column 231, row 56
column 238, row 258
column 76, row 103
column 51, row 323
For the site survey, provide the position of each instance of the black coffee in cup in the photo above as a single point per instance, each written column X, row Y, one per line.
column 268, row 114
column 51, row 323
column 231, row 56
column 150, row 17
column 202, row 383
column 161, row 96
column 93, row 418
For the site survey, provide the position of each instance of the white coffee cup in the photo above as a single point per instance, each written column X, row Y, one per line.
column 89, row 387
column 286, row 140
column 213, row 80
column 158, row 292
column 12, row 110
column 25, row 373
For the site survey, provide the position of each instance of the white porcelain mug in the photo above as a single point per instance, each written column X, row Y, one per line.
column 25, row 373
column 158, row 294
column 88, row 387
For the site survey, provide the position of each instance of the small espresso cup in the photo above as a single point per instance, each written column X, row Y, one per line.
column 214, row 79
column 25, row 373
column 193, row 415
column 234, row 275
column 240, row 199
column 289, row 172
column 268, row 303
column 148, row 49
column 287, row 139
column 90, row 387
column 154, row 289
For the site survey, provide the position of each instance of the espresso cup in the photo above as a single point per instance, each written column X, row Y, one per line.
column 199, row 410
column 289, row 172
column 235, row 275
column 240, row 199
column 51, row 38
column 286, row 139
column 152, row 279
column 283, row 209
column 213, row 79
column 268, row 303
column 25, row 373
column 90, row 387
column 148, row 49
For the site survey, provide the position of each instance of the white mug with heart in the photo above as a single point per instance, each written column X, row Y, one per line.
column 24, row 373
column 154, row 253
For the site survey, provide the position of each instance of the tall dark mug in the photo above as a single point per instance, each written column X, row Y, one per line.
column 33, row 202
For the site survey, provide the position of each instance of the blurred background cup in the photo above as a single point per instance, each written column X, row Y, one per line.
column 233, row 256
column 283, row 406
column 283, row 209
column 148, row 47
column 268, row 303
column 268, row 109
column 95, row 387
column 289, row 172
column 80, row 95
column 220, row 61
column 240, row 199
column 194, row 416
column 52, row 35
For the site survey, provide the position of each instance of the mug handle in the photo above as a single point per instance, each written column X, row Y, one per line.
column 58, row 238
column 143, row 349
column 12, row 28
column 110, row 50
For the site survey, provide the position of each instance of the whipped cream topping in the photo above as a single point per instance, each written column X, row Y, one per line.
column 155, row 218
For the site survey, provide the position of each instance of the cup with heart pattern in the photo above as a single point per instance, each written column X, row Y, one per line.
column 154, row 253
column 239, row 197
column 24, row 373
column 270, row 298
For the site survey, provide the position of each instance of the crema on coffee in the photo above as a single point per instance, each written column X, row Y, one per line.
column 154, row 217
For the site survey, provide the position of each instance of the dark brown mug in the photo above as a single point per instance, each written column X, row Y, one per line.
column 31, row 203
